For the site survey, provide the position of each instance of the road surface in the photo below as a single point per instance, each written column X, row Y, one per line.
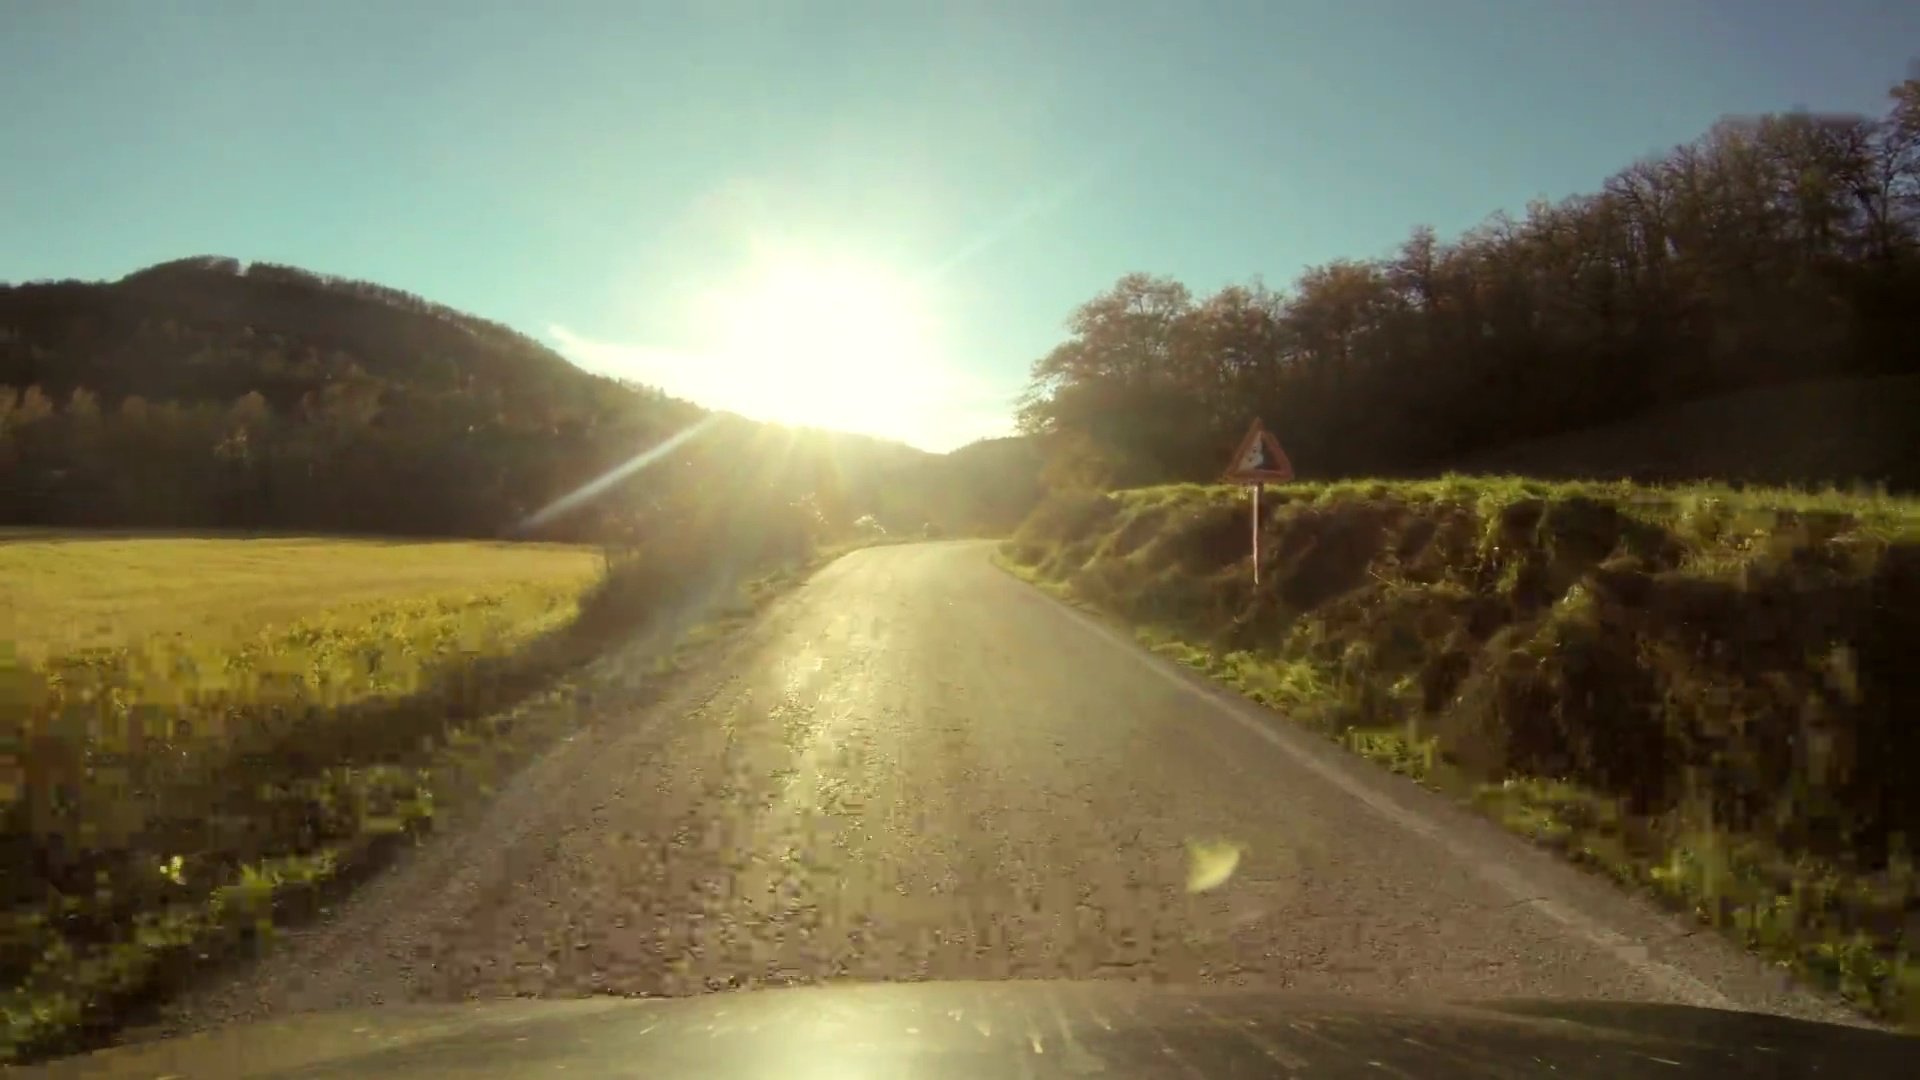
column 915, row 766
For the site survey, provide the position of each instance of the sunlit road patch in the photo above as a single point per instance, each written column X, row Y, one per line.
column 1210, row 863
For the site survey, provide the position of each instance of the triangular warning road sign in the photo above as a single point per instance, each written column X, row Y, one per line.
column 1259, row 459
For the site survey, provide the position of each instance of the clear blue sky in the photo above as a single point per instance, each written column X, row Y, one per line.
column 652, row 186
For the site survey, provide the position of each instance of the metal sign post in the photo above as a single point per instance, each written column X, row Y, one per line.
column 1259, row 460
column 1256, row 532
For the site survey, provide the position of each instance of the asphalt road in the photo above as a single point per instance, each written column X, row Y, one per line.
column 916, row 766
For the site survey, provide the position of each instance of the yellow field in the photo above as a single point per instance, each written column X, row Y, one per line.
column 63, row 592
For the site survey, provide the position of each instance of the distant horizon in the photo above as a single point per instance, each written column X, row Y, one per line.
column 856, row 216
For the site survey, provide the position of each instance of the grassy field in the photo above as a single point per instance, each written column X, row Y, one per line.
column 71, row 592
column 1702, row 691
column 189, row 725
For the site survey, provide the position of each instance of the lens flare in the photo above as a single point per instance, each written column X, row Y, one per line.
column 592, row 489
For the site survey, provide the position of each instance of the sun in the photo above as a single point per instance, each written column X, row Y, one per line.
column 827, row 342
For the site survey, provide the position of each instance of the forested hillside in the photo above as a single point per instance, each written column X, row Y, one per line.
column 1768, row 251
column 1818, row 430
column 203, row 393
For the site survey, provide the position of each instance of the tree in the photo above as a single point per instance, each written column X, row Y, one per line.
column 1770, row 249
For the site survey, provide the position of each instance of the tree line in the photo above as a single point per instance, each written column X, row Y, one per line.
column 1771, row 249
column 329, row 464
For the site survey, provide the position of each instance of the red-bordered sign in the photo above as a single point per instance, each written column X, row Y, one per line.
column 1259, row 459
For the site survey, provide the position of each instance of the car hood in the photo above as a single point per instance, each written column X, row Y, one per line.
column 1013, row 1029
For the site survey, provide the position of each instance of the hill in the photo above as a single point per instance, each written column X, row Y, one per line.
column 212, row 329
column 986, row 486
column 204, row 393
column 1817, row 432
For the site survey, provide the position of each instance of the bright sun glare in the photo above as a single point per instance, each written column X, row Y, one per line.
column 829, row 343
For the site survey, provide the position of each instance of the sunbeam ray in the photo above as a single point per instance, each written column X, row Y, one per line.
column 590, row 490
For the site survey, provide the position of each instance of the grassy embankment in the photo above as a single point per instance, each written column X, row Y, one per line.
column 1703, row 692
column 201, row 736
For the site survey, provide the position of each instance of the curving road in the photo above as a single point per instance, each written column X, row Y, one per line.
column 915, row 766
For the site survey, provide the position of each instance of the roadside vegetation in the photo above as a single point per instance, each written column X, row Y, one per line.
column 202, row 738
column 1700, row 691
column 1704, row 690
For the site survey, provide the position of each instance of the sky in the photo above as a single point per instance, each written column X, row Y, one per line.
column 871, row 216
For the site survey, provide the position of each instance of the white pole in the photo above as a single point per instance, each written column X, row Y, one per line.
column 1256, row 532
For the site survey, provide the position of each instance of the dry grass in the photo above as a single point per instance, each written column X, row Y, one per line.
column 191, row 726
